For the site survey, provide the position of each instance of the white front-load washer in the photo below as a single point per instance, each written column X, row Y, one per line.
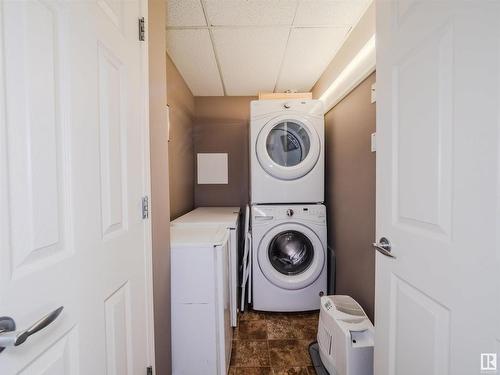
column 289, row 257
column 286, row 151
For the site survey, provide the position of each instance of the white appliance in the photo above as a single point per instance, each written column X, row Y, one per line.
column 289, row 257
column 286, row 151
column 229, row 218
column 201, row 322
column 345, row 337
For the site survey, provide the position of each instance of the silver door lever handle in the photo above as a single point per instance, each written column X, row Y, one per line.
column 384, row 247
column 9, row 337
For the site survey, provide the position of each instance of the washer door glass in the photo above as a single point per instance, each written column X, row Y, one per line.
column 291, row 252
column 288, row 143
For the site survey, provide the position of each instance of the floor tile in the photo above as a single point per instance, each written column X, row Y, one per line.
column 250, row 371
column 292, row 329
column 250, row 353
column 313, row 315
column 252, row 315
column 251, row 330
column 273, row 343
column 291, row 371
column 289, row 353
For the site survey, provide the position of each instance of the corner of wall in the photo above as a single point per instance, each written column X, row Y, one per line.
column 160, row 206
column 181, row 145
column 357, row 38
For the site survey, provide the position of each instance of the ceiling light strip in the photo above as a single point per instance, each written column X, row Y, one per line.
column 264, row 26
column 360, row 67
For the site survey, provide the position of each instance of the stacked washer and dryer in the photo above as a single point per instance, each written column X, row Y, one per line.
column 288, row 218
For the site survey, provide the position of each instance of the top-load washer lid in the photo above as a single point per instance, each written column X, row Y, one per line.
column 227, row 216
column 291, row 256
column 287, row 147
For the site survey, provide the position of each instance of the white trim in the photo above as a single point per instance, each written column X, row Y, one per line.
column 148, row 240
column 360, row 67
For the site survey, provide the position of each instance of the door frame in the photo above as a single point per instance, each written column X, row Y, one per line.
column 148, row 239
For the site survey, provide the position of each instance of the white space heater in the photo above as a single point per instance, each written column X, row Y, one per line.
column 345, row 337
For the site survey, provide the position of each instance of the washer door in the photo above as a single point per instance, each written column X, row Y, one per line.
column 288, row 148
column 291, row 256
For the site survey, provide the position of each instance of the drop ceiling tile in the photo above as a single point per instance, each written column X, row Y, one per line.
column 250, row 12
column 185, row 13
column 192, row 53
column 250, row 57
column 308, row 53
column 329, row 12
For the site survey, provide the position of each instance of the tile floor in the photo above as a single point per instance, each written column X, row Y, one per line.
column 273, row 343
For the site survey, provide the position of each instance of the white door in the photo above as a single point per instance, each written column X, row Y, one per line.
column 438, row 179
column 73, row 156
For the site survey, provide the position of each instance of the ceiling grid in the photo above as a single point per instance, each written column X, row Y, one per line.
column 242, row 47
column 287, row 42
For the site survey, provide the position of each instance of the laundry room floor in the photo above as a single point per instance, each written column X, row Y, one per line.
column 273, row 343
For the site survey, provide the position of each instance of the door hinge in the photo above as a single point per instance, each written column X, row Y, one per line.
column 145, row 207
column 149, row 370
column 142, row 29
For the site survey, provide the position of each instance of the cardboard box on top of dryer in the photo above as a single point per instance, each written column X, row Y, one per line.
column 284, row 95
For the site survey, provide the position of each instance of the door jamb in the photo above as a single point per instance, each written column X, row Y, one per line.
column 148, row 244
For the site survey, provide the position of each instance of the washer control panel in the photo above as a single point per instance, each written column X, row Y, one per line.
column 264, row 213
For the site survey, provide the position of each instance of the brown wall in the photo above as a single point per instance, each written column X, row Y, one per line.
column 221, row 125
column 350, row 193
column 180, row 151
column 160, row 217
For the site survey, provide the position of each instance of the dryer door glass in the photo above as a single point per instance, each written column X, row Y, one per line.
column 291, row 252
column 288, row 143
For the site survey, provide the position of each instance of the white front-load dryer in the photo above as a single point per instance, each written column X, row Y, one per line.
column 286, row 151
column 289, row 257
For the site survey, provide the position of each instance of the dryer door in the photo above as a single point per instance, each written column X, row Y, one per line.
column 291, row 256
column 288, row 148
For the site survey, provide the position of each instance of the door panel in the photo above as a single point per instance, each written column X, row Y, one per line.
column 438, row 126
column 118, row 343
column 417, row 321
column 113, row 142
column 59, row 359
column 36, row 184
column 73, row 170
column 424, row 70
column 114, row 10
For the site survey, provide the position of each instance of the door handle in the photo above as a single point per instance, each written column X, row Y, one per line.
column 10, row 337
column 384, row 247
